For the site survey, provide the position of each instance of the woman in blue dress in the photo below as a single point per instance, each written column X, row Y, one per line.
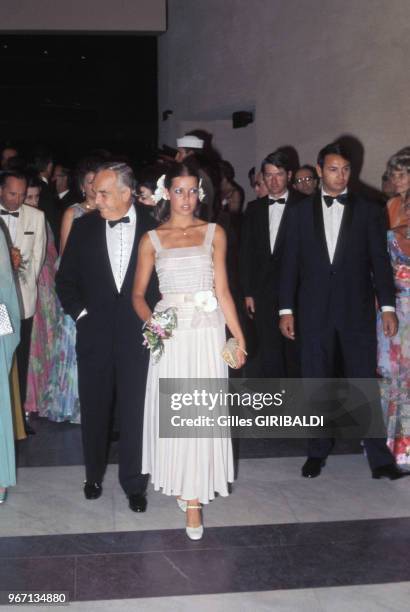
column 8, row 344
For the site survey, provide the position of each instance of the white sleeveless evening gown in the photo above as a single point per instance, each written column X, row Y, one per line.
column 189, row 467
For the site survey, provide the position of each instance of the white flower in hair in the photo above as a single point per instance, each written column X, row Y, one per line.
column 201, row 192
column 159, row 193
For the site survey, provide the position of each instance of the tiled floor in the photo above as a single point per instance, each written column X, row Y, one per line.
column 335, row 543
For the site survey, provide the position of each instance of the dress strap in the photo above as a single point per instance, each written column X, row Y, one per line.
column 209, row 236
column 155, row 241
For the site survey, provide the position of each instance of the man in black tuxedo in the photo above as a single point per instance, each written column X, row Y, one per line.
column 334, row 266
column 43, row 164
column 263, row 238
column 94, row 284
column 66, row 196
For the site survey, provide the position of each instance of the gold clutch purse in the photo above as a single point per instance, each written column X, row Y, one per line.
column 229, row 352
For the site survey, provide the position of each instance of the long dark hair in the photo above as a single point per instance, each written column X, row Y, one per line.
column 163, row 208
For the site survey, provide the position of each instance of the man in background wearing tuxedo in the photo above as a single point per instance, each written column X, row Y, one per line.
column 42, row 162
column 263, row 238
column 334, row 266
column 62, row 185
column 28, row 239
column 94, row 284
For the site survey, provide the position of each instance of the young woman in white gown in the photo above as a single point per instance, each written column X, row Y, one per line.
column 189, row 257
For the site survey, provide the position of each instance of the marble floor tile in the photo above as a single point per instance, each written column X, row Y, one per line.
column 365, row 598
column 33, row 574
column 384, row 532
column 339, row 499
column 50, row 500
column 267, row 601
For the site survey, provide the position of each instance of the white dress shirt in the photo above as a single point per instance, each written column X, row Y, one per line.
column 275, row 216
column 62, row 194
column 332, row 218
column 120, row 240
column 11, row 223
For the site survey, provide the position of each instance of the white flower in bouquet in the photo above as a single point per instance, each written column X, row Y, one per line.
column 158, row 329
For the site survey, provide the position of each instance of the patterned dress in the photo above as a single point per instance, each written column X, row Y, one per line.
column 61, row 401
column 44, row 331
column 394, row 360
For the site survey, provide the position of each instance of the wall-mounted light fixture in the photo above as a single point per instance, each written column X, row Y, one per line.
column 241, row 119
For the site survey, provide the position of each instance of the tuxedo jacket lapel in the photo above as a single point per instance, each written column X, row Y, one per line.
column 319, row 225
column 20, row 227
column 281, row 230
column 102, row 247
column 264, row 231
column 344, row 230
column 139, row 231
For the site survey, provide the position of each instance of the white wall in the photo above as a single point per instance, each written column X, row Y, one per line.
column 310, row 69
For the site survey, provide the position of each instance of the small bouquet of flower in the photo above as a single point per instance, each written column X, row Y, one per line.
column 19, row 263
column 158, row 329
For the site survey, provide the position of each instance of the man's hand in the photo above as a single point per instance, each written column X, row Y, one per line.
column 16, row 258
column 287, row 326
column 390, row 323
column 250, row 306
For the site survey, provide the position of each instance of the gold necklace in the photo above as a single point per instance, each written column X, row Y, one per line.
column 184, row 230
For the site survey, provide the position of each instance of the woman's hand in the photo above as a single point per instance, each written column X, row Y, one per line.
column 240, row 356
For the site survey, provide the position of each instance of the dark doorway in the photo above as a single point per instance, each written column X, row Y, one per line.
column 76, row 93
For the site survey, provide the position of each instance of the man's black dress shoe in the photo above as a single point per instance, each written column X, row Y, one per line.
column 92, row 490
column 137, row 502
column 389, row 471
column 28, row 429
column 312, row 467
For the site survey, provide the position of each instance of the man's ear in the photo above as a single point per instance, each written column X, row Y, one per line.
column 319, row 170
column 126, row 194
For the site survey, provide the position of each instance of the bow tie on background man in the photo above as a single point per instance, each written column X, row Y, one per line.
column 342, row 199
column 278, row 201
column 6, row 212
column 123, row 220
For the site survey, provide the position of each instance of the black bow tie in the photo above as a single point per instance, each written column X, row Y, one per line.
column 278, row 201
column 123, row 220
column 6, row 212
column 342, row 199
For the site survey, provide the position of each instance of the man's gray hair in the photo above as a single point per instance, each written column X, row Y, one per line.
column 124, row 173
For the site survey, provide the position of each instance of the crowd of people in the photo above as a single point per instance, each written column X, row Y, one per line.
column 310, row 279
